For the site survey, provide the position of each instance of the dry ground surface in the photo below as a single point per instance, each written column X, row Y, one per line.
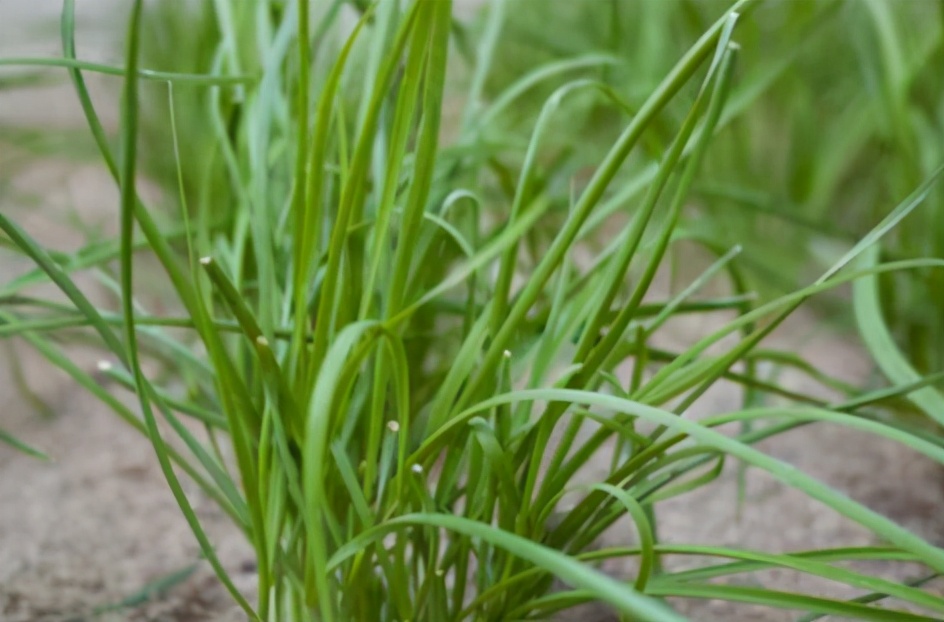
column 98, row 523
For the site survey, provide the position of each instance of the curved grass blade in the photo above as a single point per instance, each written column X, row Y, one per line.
column 146, row 74
column 787, row 600
column 602, row 587
column 878, row 524
column 881, row 345
column 129, row 199
column 17, row 444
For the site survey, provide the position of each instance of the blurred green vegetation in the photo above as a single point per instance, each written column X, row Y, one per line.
column 837, row 113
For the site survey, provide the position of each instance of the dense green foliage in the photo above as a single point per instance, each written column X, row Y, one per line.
column 838, row 114
column 399, row 361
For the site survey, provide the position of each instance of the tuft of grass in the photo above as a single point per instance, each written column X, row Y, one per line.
column 390, row 362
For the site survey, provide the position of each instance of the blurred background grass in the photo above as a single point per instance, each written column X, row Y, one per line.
column 838, row 113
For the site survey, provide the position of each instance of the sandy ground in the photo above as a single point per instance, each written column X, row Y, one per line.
column 98, row 523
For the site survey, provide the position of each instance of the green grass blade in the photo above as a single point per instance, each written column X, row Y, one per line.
column 880, row 343
column 17, row 444
column 604, row 588
column 146, row 74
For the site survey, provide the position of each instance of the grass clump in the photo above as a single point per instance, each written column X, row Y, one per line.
column 395, row 374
